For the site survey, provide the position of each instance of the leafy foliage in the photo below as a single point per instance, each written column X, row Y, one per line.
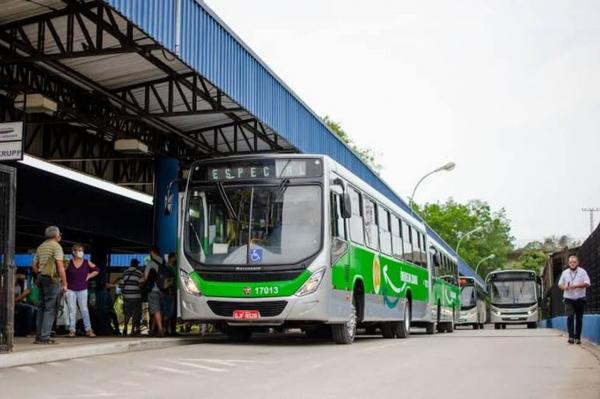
column 533, row 260
column 452, row 220
column 367, row 155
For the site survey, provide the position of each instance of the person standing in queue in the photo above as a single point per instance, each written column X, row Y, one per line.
column 169, row 295
column 49, row 266
column 79, row 271
column 573, row 281
column 155, row 296
column 130, row 285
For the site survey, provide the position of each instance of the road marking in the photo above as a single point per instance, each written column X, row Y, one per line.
column 198, row 366
column 172, row 370
column 27, row 369
column 371, row 348
column 100, row 394
column 221, row 361
column 140, row 373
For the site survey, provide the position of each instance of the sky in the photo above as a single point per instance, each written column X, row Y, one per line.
column 508, row 90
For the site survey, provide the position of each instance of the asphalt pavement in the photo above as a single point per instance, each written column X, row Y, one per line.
column 507, row 364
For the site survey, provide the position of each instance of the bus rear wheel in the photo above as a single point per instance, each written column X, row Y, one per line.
column 343, row 334
column 475, row 326
column 402, row 328
column 496, row 326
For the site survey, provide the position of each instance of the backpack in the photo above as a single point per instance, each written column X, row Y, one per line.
column 164, row 277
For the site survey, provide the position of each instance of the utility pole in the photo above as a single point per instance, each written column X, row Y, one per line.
column 591, row 211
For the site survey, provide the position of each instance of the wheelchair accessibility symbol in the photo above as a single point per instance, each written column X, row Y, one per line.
column 256, row 255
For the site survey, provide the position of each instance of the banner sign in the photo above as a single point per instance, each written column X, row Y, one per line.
column 11, row 141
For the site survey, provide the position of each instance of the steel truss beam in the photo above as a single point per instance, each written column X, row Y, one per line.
column 82, row 107
column 190, row 89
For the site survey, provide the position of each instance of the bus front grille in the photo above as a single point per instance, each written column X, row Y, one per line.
column 266, row 309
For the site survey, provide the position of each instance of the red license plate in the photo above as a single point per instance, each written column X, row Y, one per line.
column 246, row 314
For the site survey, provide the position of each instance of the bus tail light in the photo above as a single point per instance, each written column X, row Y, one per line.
column 312, row 283
column 188, row 284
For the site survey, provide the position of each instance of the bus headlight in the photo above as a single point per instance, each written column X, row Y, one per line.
column 188, row 284
column 312, row 283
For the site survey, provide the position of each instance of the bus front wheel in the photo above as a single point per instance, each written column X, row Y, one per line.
column 532, row 325
column 344, row 334
column 496, row 326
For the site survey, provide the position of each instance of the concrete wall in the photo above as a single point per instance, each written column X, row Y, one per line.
column 591, row 325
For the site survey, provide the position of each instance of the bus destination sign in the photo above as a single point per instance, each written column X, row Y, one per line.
column 242, row 172
column 260, row 169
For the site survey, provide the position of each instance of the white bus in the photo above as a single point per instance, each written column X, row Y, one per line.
column 514, row 298
column 473, row 307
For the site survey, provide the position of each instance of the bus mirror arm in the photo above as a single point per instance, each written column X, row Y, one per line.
column 169, row 196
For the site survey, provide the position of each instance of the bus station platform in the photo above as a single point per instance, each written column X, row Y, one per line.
column 27, row 353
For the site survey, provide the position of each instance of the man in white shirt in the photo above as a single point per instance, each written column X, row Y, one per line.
column 573, row 281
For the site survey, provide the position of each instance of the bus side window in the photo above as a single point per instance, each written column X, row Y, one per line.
column 423, row 251
column 416, row 244
column 371, row 230
column 338, row 228
column 407, row 239
column 396, row 237
column 385, row 236
column 356, row 221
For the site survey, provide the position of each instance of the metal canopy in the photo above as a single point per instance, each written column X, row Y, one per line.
column 112, row 81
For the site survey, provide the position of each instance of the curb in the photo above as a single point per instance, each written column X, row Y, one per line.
column 48, row 355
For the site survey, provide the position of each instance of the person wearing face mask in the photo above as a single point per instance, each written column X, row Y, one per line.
column 79, row 271
column 573, row 281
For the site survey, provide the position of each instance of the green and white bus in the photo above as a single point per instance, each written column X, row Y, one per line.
column 298, row 241
column 514, row 298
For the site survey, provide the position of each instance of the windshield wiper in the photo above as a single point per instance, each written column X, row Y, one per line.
column 283, row 186
column 226, row 200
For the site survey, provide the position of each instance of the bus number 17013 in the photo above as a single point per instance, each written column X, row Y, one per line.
column 266, row 290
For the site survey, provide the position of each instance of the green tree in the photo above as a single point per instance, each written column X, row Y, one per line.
column 451, row 220
column 552, row 243
column 367, row 155
column 533, row 260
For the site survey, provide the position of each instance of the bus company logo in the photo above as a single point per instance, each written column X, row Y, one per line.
column 376, row 275
column 247, row 291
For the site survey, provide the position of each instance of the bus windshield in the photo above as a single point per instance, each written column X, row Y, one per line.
column 254, row 225
column 467, row 296
column 514, row 292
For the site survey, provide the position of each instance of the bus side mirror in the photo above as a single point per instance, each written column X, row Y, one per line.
column 346, row 206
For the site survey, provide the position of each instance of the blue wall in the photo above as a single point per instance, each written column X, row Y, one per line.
column 591, row 326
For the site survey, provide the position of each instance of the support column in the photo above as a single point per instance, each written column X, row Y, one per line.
column 165, row 226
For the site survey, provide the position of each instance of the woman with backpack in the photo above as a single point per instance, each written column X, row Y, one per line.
column 79, row 271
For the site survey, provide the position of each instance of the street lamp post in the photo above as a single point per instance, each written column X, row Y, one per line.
column 447, row 167
column 492, row 256
column 475, row 230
